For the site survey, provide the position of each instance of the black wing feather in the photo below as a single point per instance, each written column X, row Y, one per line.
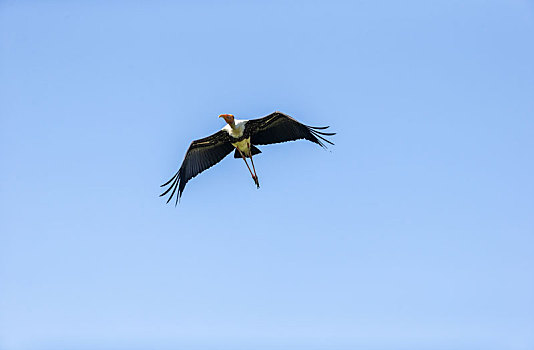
column 278, row 127
column 201, row 155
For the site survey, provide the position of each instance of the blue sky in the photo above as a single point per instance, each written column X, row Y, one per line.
column 415, row 231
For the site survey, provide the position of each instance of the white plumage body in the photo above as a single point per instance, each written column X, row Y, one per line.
column 237, row 132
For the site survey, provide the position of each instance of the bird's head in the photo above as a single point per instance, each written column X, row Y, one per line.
column 229, row 118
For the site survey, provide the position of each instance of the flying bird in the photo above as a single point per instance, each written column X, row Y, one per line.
column 243, row 136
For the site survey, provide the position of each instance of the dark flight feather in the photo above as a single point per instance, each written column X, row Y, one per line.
column 278, row 127
column 201, row 155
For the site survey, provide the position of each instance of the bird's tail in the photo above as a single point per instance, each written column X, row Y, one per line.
column 253, row 149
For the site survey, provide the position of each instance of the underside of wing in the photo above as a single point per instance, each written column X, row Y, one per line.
column 278, row 127
column 201, row 155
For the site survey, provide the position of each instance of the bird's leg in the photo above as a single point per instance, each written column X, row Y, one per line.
column 255, row 175
column 245, row 159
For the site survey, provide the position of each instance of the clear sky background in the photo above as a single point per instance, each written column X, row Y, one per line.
column 415, row 231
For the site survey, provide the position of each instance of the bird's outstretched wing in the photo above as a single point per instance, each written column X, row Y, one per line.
column 278, row 127
column 201, row 155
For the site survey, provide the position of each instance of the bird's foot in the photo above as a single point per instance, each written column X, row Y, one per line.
column 256, row 181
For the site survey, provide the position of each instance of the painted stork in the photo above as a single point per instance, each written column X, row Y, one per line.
column 243, row 136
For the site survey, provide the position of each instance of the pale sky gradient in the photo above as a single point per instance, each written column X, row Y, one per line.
column 416, row 231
